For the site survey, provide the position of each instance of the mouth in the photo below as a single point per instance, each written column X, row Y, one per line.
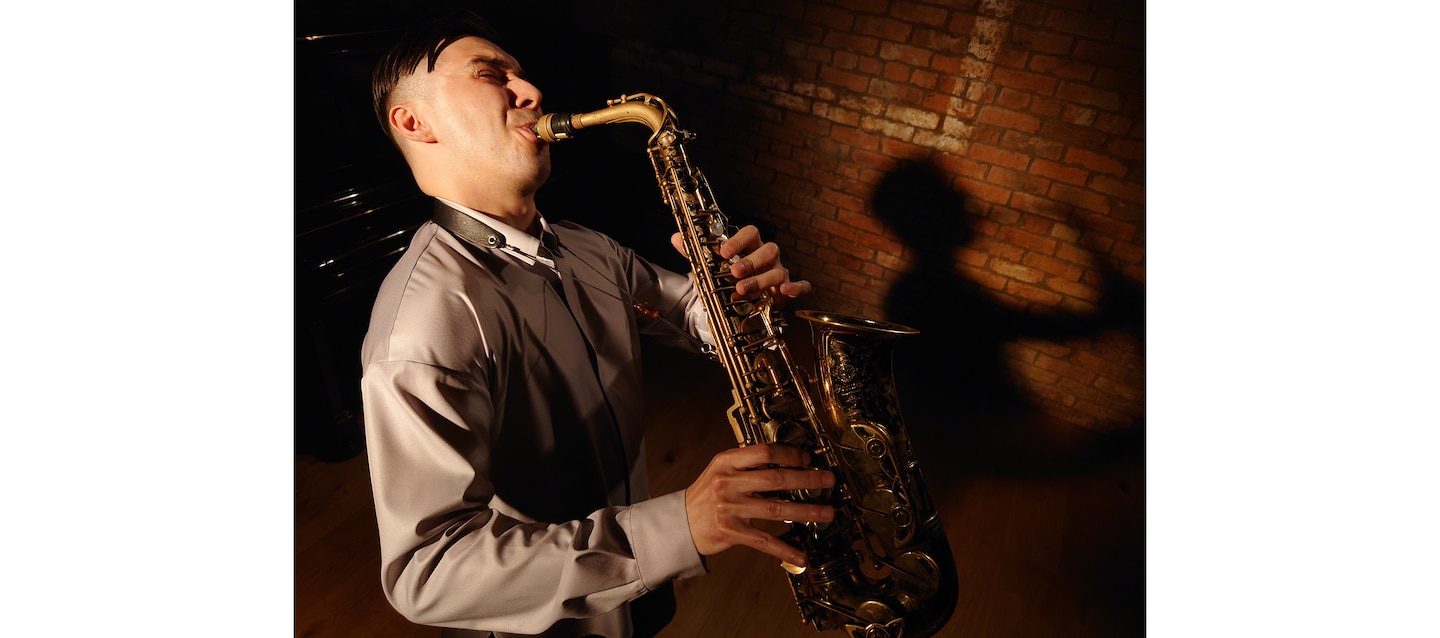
column 527, row 128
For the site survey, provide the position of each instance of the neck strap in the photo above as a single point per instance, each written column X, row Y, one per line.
column 466, row 227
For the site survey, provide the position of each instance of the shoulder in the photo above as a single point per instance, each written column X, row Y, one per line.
column 428, row 308
column 574, row 235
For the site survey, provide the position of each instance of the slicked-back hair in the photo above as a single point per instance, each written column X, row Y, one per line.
column 424, row 41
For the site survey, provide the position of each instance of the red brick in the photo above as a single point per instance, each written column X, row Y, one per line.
column 1015, row 271
column 1037, row 224
column 857, row 44
column 874, row 160
column 911, row 12
column 1032, row 145
column 1000, row 156
column 1046, row 107
column 852, row 81
column 1107, row 227
column 960, row 166
column 1038, row 40
column 1126, row 251
column 1071, row 135
column 1061, row 67
column 1078, row 115
column 1032, row 82
column 896, row 148
column 1006, row 118
column 914, row 56
column 984, row 191
column 1013, row 99
column 1032, row 13
column 924, row 79
column 834, row 228
column 1048, row 347
column 1064, row 368
column 1095, row 161
column 1122, row 390
column 1128, row 149
column 1081, row 388
column 853, row 249
column 1084, row 199
column 1111, row 123
column 1037, row 375
column 1083, row 94
column 1018, row 181
column 1013, row 58
column 1004, row 215
column 1041, row 206
column 1073, row 289
column 984, row 278
column 846, row 118
column 856, row 138
column 1067, row 174
column 1028, row 241
column 897, row 72
column 971, row 256
column 1032, row 293
column 1124, row 189
column 881, row 27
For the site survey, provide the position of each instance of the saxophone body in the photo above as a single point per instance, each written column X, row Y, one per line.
column 883, row 568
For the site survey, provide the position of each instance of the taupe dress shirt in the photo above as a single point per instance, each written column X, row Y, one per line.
column 502, row 410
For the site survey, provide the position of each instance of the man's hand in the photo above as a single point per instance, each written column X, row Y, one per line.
column 721, row 503
column 758, row 267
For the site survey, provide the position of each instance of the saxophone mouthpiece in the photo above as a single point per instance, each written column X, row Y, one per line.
column 554, row 127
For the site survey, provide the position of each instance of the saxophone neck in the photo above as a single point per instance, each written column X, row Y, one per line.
column 639, row 108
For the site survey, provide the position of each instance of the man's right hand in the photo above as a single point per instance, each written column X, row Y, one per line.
column 721, row 503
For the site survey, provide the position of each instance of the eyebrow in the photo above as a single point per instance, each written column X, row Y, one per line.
column 496, row 62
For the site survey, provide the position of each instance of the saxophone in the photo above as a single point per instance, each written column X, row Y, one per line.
column 883, row 567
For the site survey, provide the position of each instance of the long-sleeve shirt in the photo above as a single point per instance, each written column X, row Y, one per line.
column 502, row 412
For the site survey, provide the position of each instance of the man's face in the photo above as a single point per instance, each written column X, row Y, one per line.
column 481, row 108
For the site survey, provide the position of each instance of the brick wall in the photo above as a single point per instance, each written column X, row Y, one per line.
column 974, row 168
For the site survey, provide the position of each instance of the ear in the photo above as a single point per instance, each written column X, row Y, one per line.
column 407, row 123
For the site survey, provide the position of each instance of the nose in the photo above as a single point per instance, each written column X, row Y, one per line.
column 526, row 95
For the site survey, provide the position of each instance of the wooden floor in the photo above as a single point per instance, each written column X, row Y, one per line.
column 1046, row 523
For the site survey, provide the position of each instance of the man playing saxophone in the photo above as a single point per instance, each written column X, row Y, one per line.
column 502, row 388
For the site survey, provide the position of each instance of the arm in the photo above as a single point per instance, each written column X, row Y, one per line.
column 452, row 557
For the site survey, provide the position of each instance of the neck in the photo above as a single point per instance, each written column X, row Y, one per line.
column 517, row 210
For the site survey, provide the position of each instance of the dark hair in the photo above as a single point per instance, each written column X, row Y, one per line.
column 424, row 41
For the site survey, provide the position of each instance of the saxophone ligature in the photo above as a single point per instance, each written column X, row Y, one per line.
column 883, row 567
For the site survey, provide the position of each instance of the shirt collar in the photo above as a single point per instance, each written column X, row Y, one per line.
column 518, row 243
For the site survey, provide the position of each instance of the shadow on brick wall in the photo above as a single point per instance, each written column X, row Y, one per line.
column 956, row 383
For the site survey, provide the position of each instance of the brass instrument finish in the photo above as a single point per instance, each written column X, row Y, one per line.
column 883, row 568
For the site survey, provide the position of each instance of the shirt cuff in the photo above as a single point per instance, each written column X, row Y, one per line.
column 660, row 536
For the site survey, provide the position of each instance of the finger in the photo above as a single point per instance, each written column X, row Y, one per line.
column 768, row 279
column 742, row 241
column 776, row 480
column 764, row 258
column 772, row 509
column 678, row 241
column 762, row 455
column 773, row 546
column 794, row 289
